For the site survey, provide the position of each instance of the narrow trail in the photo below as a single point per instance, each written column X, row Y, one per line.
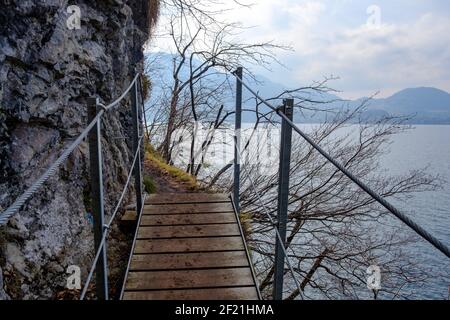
column 164, row 182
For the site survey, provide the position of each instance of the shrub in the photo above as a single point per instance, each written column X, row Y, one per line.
column 149, row 185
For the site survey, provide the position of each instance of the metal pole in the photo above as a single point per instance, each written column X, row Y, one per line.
column 237, row 142
column 283, row 197
column 137, row 169
column 399, row 214
column 95, row 155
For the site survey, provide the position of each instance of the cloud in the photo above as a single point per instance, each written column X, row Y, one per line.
column 387, row 59
column 410, row 48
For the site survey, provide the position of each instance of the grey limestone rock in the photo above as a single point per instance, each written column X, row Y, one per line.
column 47, row 73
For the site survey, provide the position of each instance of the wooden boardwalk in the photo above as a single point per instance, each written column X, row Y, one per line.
column 189, row 247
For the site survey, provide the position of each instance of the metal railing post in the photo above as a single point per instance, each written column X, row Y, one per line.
column 96, row 167
column 237, row 141
column 136, row 149
column 283, row 197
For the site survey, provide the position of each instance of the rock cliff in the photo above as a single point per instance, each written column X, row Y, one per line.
column 49, row 66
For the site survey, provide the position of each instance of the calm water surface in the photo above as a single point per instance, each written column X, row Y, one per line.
column 427, row 146
column 420, row 147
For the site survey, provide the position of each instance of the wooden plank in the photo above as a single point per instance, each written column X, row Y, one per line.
column 185, row 219
column 168, row 198
column 188, row 260
column 191, row 231
column 243, row 293
column 188, row 208
column 189, row 245
column 161, row 280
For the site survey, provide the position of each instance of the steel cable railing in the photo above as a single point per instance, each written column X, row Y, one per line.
column 93, row 132
column 20, row 201
column 118, row 100
column 400, row 215
column 266, row 209
column 107, row 227
column 246, row 248
column 274, row 224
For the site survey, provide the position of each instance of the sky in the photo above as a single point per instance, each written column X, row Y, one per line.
column 372, row 46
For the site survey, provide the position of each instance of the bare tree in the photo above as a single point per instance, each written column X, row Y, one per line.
column 204, row 47
column 335, row 230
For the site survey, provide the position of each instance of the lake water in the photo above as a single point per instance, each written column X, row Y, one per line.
column 427, row 146
column 417, row 148
column 421, row 147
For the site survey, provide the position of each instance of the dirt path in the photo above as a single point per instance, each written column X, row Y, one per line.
column 163, row 181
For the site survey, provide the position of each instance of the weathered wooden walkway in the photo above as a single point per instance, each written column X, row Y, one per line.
column 189, row 247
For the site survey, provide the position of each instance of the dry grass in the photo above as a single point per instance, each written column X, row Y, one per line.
column 150, row 186
column 174, row 172
column 245, row 219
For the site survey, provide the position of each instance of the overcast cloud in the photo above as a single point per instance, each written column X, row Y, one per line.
column 410, row 46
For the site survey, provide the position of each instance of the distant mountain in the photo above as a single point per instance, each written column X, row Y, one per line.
column 416, row 100
column 426, row 105
column 423, row 105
